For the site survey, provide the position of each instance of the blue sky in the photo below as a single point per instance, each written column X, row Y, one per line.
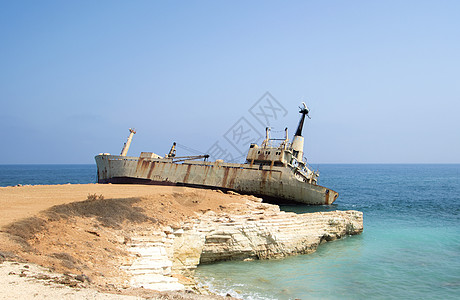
column 381, row 77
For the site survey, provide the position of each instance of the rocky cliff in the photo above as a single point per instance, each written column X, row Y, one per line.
column 254, row 231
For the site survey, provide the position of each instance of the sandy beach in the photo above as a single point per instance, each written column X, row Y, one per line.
column 48, row 229
column 26, row 201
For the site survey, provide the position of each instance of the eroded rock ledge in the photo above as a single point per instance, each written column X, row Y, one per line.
column 261, row 231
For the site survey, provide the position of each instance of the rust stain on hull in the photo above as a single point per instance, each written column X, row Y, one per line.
column 187, row 173
column 152, row 167
column 224, row 180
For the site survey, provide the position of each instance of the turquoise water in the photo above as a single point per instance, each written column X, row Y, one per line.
column 410, row 248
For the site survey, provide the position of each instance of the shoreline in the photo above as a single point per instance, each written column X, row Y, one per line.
column 158, row 235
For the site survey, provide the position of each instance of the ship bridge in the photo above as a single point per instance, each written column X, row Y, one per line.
column 283, row 155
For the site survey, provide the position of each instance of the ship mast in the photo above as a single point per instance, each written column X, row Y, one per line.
column 298, row 141
column 125, row 149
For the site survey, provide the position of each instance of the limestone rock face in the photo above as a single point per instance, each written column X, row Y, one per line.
column 152, row 268
column 260, row 231
column 266, row 232
column 277, row 235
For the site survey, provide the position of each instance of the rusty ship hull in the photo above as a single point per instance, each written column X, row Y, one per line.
column 277, row 183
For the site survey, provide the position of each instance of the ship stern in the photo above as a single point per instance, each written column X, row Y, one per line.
column 330, row 196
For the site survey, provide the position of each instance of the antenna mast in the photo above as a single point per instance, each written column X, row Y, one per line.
column 304, row 111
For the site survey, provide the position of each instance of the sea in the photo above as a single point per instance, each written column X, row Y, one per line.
column 410, row 247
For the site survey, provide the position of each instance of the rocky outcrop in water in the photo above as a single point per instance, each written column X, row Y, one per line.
column 257, row 231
